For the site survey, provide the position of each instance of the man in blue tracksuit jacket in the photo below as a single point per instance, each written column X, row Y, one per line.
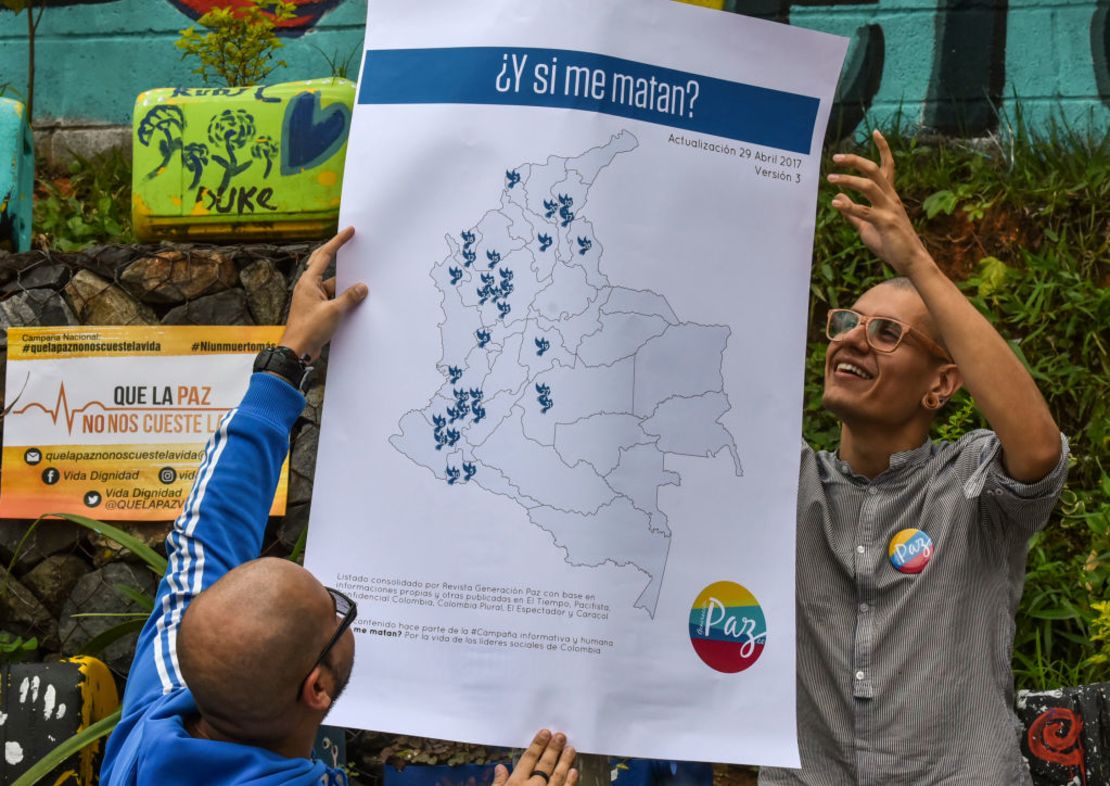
column 243, row 657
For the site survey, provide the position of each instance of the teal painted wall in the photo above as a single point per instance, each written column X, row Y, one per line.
column 94, row 58
column 953, row 65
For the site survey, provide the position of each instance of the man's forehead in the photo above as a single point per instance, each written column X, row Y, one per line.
column 888, row 300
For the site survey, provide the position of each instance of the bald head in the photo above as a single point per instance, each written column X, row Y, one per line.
column 246, row 644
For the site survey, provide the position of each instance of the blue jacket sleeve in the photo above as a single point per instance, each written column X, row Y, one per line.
column 220, row 527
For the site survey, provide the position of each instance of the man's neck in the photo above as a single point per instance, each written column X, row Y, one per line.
column 868, row 448
column 297, row 746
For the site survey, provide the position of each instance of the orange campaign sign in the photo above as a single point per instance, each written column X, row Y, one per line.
column 111, row 422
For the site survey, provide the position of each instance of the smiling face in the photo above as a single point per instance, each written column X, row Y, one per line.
column 872, row 388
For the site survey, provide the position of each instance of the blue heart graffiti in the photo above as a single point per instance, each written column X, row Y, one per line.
column 311, row 134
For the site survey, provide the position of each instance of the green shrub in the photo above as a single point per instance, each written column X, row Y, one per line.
column 89, row 202
column 239, row 48
column 1023, row 228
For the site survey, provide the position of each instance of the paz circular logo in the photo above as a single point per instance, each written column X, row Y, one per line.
column 727, row 627
column 910, row 550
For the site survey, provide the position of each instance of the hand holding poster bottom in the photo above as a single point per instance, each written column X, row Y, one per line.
column 112, row 421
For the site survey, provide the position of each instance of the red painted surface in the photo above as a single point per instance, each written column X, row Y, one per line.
column 308, row 11
column 725, row 656
column 1055, row 737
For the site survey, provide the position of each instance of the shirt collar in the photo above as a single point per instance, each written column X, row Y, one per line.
column 905, row 459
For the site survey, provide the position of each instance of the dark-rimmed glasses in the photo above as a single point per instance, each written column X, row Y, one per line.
column 884, row 334
column 347, row 610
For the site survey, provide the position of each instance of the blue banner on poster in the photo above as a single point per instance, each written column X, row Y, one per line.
column 567, row 79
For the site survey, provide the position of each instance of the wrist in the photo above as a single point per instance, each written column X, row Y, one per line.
column 917, row 263
column 284, row 362
column 302, row 347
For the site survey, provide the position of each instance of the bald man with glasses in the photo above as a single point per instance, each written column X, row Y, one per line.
column 911, row 553
column 242, row 658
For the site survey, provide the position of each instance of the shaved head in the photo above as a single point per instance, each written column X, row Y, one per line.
column 247, row 643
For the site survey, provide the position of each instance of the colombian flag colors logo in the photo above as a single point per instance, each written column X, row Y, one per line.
column 727, row 627
column 910, row 550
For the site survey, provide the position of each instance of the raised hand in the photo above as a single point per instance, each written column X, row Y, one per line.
column 314, row 312
column 883, row 225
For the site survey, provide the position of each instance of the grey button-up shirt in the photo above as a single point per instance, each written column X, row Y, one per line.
column 903, row 677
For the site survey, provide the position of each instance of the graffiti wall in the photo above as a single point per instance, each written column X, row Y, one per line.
column 958, row 66
column 225, row 163
column 93, row 57
column 963, row 66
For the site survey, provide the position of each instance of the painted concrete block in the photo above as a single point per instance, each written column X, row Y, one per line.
column 46, row 703
column 234, row 163
column 17, row 176
column 1067, row 732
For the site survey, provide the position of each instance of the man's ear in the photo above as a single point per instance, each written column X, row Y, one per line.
column 948, row 381
column 316, row 691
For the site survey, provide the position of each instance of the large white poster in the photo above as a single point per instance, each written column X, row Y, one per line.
column 559, row 453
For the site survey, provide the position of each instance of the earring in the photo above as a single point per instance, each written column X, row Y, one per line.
column 932, row 401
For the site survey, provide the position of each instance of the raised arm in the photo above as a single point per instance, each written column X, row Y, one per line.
column 1002, row 388
column 227, row 510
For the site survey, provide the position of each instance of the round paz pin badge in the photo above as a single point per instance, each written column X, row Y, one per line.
column 910, row 550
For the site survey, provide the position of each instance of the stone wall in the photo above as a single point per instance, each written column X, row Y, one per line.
column 60, row 569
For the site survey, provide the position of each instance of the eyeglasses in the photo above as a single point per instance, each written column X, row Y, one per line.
column 883, row 333
column 346, row 610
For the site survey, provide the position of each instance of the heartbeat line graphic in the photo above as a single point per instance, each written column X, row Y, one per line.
column 61, row 409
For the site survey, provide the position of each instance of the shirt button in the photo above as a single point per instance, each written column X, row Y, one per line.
column 864, row 607
column 872, row 490
column 860, row 675
column 859, row 549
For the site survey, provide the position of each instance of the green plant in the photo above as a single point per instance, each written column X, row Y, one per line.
column 133, row 622
column 239, row 48
column 340, row 69
column 88, row 202
column 1101, row 634
column 297, row 554
column 1021, row 225
column 153, row 560
column 14, row 649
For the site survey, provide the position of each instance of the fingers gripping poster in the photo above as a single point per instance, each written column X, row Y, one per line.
column 559, row 455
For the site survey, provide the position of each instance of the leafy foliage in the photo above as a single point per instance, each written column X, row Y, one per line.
column 1101, row 634
column 14, row 649
column 1022, row 226
column 155, row 561
column 240, row 46
column 88, row 202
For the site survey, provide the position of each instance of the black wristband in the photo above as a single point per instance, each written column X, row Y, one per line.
column 284, row 362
